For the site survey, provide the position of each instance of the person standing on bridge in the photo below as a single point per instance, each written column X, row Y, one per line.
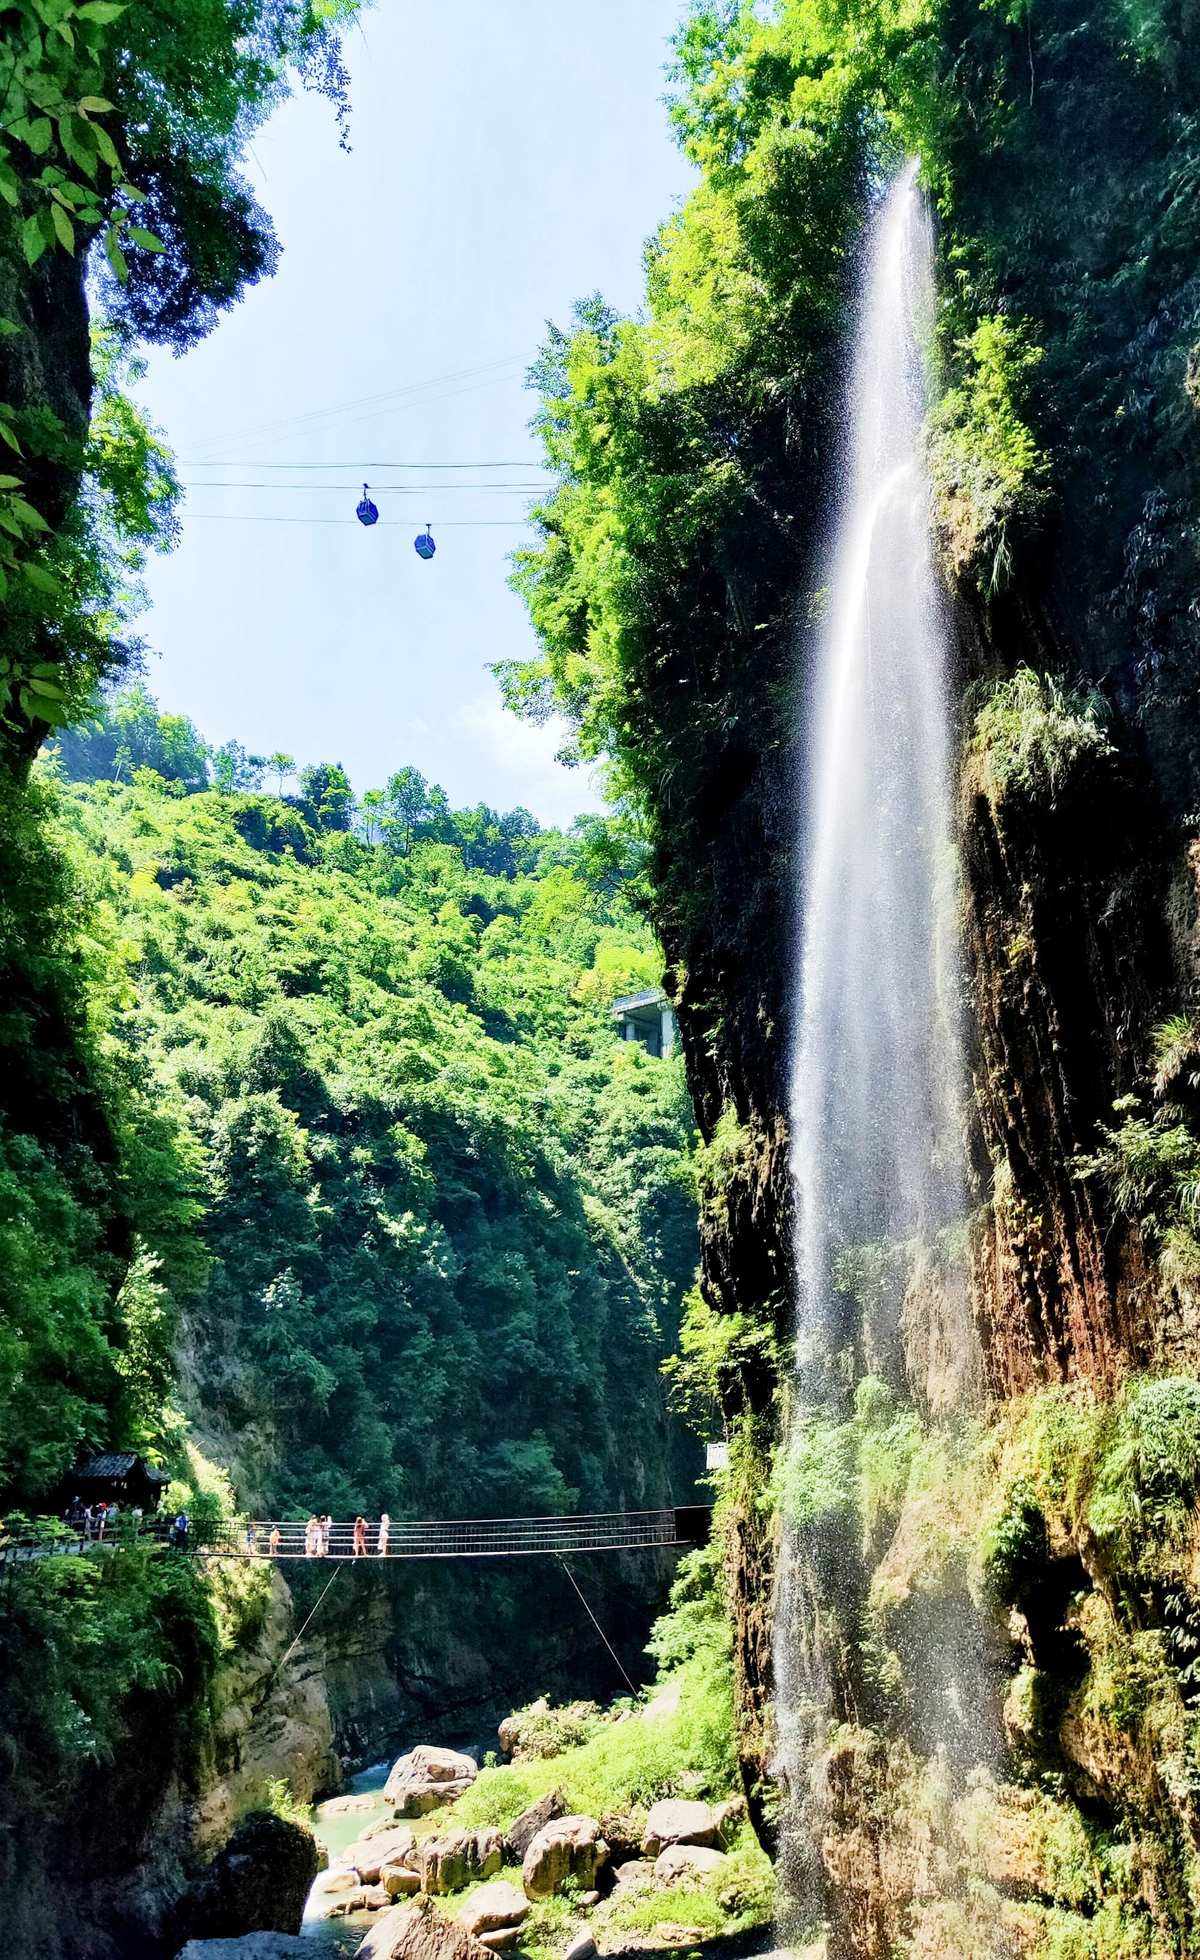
column 360, row 1538
column 384, row 1527
column 312, row 1537
column 273, row 1541
column 326, row 1530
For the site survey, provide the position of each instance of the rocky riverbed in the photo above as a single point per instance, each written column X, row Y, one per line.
column 431, row 1858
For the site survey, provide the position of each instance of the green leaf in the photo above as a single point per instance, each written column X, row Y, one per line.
column 101, row 11
column 10, row 482
column 64, row 227
column 7, row 435
column 79, row 143
column 115, row 256
column 37, row 135
column 95, row 105
column 38, row 576
column 106, row 146
column 25, row 514
column 146, row 239
column 10, row 326
column 33, row 239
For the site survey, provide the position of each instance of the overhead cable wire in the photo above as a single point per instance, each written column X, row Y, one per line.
column 455, row 379
column 442, row 523
column 512, row 463
column 396, row 489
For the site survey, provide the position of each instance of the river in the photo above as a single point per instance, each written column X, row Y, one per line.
column 338, row 1829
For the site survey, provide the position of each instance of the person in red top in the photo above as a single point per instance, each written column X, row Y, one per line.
column 360, row 1538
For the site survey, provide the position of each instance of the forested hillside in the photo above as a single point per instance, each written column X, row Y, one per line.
column 420, row 1222
column 390, row 1219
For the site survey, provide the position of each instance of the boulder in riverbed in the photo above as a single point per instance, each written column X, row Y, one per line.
column 419, row 1932
column 677, row 1821
column 569, row 1847
column 257, row 1883
column 427, row 1778
column 393, row 1846
column 522, row 1831
column 399, row 1881
column 582, row 1947
column 494, row 1907
column 635, row 1875
column 683, row 1864
column 454, row 1859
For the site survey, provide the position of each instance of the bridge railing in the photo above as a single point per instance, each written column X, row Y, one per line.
column 443, row 1537
column 405, row 1538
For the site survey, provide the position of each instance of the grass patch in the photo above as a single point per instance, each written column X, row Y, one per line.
column 625, row 1766
column 733, row 1900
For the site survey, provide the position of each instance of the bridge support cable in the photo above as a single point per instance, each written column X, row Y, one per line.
column 595, row 1622
column 280, row 1664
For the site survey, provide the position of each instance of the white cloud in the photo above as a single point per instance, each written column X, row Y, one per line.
column 520, row 762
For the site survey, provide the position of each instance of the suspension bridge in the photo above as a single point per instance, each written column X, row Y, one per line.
column 285, row 1539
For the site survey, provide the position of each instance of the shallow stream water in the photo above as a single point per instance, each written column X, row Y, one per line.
column 337, row 1830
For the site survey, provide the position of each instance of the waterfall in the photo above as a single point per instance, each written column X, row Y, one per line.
column 875, row 1083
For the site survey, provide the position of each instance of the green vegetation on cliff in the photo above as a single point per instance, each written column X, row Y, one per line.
column 423, row 1223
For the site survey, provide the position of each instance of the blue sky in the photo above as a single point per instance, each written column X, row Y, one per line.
column 508, row 156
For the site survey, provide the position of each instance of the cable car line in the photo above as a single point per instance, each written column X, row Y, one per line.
column 477, row 375
column 513, row 463
column 444, row 524
column 399, row 489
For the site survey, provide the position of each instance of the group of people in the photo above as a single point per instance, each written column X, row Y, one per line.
column 95, row 1521
column 317, row 1535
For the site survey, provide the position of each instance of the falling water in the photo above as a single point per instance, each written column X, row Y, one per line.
column 874, row 1106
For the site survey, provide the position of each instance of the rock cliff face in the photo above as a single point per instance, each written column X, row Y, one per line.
column 1079, row 949
column 1016, row 1535
column 1066, row 961
column 103, row 1879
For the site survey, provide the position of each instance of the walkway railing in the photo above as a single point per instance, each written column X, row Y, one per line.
column 428, row 1538
column 606, row 1531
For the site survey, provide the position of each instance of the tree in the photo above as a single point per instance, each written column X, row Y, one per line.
column 407, row 806
column 127, row 733
column 125, row 159
column 281, row 767
column 371, row 810
column 326, row 797
column 234, row 769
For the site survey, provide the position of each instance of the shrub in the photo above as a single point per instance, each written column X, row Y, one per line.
column 1032, row 732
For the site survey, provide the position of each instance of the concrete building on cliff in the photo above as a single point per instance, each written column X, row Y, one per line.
column 647, row 1017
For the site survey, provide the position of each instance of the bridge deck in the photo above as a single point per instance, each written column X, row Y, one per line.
column 428, row 1538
